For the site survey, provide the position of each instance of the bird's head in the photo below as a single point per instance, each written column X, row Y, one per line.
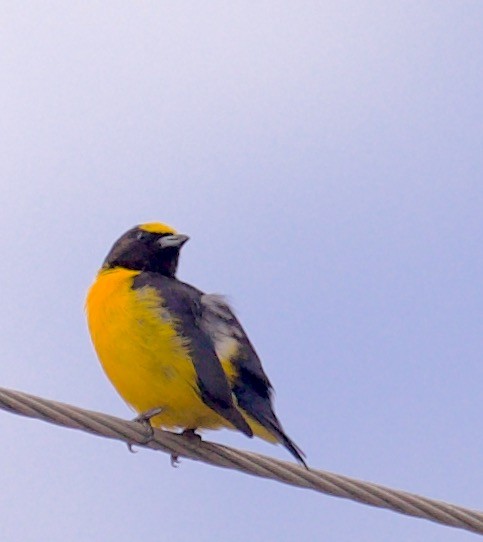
column 147, row 247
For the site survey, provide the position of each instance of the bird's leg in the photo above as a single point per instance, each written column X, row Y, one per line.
column 145, row 420
column 189, row 434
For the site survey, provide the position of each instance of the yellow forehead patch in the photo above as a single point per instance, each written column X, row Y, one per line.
column 157, row 227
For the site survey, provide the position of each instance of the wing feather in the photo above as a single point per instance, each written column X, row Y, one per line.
column 252, row 387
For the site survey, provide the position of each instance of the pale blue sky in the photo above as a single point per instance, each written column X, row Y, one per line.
column 326, row 160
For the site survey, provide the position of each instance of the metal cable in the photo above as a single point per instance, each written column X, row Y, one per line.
column 337, row 485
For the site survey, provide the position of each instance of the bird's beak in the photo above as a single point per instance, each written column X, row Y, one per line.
column 173, row 241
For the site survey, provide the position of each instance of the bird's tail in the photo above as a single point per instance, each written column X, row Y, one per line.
column 275, row 428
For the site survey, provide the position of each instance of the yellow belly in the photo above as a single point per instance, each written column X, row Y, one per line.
column 142, row 355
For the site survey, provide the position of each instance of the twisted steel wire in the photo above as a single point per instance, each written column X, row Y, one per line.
column 179, row 445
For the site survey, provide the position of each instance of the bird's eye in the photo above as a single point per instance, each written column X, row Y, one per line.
column 142, row 235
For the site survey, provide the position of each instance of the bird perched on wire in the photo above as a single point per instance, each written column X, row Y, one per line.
column 174, row 353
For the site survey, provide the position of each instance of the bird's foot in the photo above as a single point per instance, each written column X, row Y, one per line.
column 174, row 460
column 145, row 420
column 188, row 434
column 191, row 434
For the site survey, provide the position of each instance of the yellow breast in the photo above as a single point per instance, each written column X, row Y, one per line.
column 142, row 354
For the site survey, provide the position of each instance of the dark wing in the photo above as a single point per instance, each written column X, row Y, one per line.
column 183, row 303
column 252, row 387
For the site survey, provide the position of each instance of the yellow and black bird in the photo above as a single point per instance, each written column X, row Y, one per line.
column 166, row 345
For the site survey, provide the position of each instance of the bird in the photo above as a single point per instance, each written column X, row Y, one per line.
column 175, row 354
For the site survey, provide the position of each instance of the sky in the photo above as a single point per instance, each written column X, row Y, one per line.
column 326, row 160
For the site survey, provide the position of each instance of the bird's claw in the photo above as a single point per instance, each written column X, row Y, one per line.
column 189, row 434
column 175, row 461
column 145, row 420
